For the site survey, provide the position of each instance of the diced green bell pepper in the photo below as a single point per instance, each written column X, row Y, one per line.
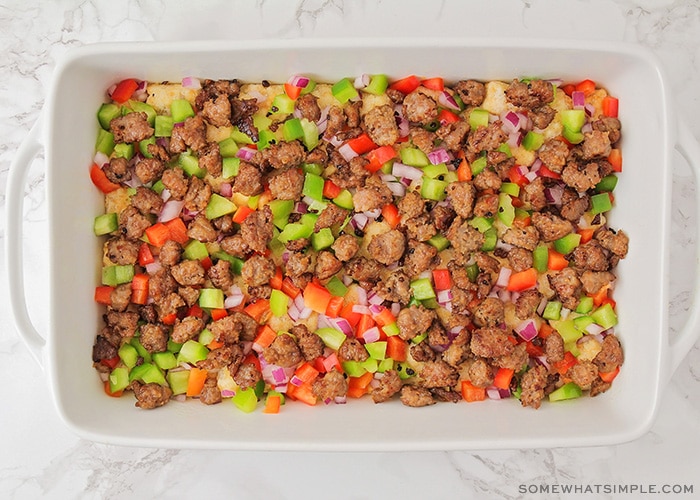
column 540, row 258
column 165, row 360
column 354, row 368
column 295, row 231
column 178, row 381
column 473, row 272
column 195, row 250
column 219, row 206
column 344, row 200
column 164, row 126
column 385, row 365
column 128, row 354
column 506, row 211
column 490, row 240
column 190, row 164
column 310, row 134
column 585, row 305
column 435, row 171
column 510, row 188
column 118, row 379
column 571, row 136
column 405, row 371
column 505, row 148
column 312, row 168
column 229, row 167
column 281, row 210
column 158, row 186
column 211, row 298
column 605, row 316
column 174, row 347
column 140, row 349
column 279, row 303
column 481, row 224
column 105, row 142
column 236, row 263
column 478, row 165
column 240, row 137
column 607, row 183
column 377, row 85
column 567, row 329
column 228, row 148
column 376, row 350
column 344, row 90
column 370, row 365
column 439, row 241
column 322, row 239
column 143, row 146
column 245, row 400
column 600, row 203
column 191, row 352
column 566, row 244
column 566, row 391
column 331, row 337
column 532, row 141
column 414, row 157
column 107, row 113
column 282, row 103
column 478, row 118
column 181, row 110
column 552, row 310
column 205, row 337
column 106, row 223
column 336, row 287
column 292, row 129
column 391, row 329
column 148, row 373
column 422, row 289
column 573, row 119
column 265, row 139
column 582, row 322
column 433, row 189
column 124, row 150
column 313, row 186
column 117, row 275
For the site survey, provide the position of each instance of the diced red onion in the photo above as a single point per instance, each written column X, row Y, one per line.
column 444, row 296
column 341, row 324
column 279, row 375
column 505, row 295
column 447, row 101
column 503, row 245
column 447, row 306
column 396, row 188
column 328, row 400
column 104, row 376
column 527, row 329
column 362, row 296
column 361, row 81
column 347, row 152
column 536, row 165
column 375, row 382
column 301, row 207
column 258, row 348
column 404, row 127
column 578, row 99
column 395, row 308
column 374, row 213
column 557, row 82
column 247, row 346
column 360, row 309
column 226, row 190
column 227, row 393
column 296, row 381
column 525, row 122
column 503, row 277
column 531, row 176
column 153, row 267
column 594, row 329
column 299, row 302
column 586, row 128
column 245, row 153
column 233, row 301
column 359, row 221
column 171, row 209
column 438, row 156
column 553, row 194
column 134, row 181
column 375, row 300
column 305, row 313
column 514, row 139
column 400, row 170
column 347, row 280
column 330, row 361
column 293, row 312
column 178, row 124
column 111, row 90
column 298, row 114
column 543, row 361
column 589, row 109
column 340, row 400
column 375, row 309
column 190, row 82
column 101, row 159
column 308, row 200
column 371, row 335
column 282, row 388
column 493, row 393
column 541, row 306
column 387, row 178
column 333, row 141
column 298, row 81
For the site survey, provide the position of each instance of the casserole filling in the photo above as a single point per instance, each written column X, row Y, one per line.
column 408, row 239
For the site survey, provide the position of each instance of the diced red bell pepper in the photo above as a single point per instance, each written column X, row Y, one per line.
column 100, row 180
column 241, row 214
column 586, row 86
column 361, row 144
column 610, row 106
column 379, row 156
column 330, row 189
column 396, row 348
column 103, row 295
column 124, row 90
column 391, row 216
column 145, row 255
column 435, row 83
column 292, row 91
column 446, row 117
column 442, row 279
column 406, row 85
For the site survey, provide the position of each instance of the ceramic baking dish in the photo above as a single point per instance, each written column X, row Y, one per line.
column 66, row 133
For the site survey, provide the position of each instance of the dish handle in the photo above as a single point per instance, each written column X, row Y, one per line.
column 14, row 202
column 689, row 148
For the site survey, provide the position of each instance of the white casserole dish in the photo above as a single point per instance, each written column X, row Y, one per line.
column 67, row 134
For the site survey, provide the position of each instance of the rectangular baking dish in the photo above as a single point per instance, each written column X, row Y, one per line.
column 66, row 132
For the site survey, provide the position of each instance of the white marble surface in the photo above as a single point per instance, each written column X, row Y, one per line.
column 40, row 458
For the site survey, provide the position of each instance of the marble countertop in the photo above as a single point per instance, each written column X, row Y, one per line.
column 41, row 458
